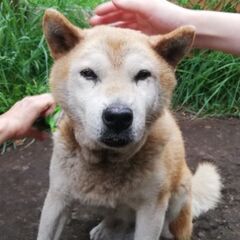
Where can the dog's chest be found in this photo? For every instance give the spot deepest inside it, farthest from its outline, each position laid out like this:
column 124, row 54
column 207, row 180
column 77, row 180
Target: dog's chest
column 106, row 183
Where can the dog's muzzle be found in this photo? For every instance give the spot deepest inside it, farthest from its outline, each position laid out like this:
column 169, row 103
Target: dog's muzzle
column 117, row 120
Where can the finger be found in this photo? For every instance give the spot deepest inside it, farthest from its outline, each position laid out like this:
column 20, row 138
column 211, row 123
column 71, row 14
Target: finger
column 38, row 102
column 95, row 20
column 105, row 8
column 134, row 26
column 112, row 17
column 49, row 111
column 45, row 100
column 129, row 25
column 137, row 6
column 41, row 105
column 35, row 133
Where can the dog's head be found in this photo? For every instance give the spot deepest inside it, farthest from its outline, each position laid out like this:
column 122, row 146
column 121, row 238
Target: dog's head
column 112, row 83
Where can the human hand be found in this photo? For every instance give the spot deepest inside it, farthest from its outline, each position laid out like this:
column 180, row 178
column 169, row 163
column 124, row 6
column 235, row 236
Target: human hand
column 214, row 30
column 17, row 122
column 150, row 17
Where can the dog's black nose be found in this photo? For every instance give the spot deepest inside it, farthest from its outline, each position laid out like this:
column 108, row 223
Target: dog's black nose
column 117, row 117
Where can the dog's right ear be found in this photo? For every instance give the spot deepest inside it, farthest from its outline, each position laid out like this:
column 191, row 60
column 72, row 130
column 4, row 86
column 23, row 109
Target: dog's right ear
column 174, row 45
column 61, row 35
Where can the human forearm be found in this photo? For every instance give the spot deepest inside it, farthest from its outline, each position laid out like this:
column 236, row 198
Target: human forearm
column 216, row 30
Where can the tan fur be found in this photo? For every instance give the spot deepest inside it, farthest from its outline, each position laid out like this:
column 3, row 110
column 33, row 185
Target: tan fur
column 72, row 33
column 181, row 227
column 67, row 133
column 151, row 172
column 115, row 50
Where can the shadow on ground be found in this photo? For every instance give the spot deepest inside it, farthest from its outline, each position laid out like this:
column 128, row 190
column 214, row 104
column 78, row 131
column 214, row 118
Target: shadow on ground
column 24, row 182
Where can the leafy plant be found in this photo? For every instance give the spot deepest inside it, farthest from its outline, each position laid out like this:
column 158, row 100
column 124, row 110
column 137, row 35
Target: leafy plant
column 209, row 84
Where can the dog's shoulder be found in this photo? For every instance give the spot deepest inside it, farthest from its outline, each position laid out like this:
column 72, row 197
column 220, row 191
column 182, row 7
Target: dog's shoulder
column 164, row 130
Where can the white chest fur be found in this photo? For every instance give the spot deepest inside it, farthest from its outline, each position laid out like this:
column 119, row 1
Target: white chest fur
column 101, row 184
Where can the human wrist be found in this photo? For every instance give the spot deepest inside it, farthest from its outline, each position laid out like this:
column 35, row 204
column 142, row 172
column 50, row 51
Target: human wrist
column 205, row 34
column 5, row 132
column 194, row 18
column 183, row 16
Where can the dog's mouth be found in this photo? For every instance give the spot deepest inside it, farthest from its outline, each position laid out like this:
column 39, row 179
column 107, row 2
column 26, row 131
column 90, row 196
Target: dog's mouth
column 116, row 140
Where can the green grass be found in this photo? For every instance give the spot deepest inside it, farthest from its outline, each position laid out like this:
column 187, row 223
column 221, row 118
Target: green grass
column 24, row 57
column 208, row 82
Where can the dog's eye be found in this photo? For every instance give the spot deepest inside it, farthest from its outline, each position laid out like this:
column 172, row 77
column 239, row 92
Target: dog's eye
column 89, row 74
column 142, row 75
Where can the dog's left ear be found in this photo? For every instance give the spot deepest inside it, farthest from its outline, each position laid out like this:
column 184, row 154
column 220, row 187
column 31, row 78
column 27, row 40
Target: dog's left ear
column 174, row 45
column 61, row 34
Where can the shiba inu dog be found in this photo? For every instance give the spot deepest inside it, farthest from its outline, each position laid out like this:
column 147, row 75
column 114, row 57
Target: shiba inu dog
column 118, row 148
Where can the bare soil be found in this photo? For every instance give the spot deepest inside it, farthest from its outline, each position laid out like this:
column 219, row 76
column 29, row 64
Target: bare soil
column 24, row 182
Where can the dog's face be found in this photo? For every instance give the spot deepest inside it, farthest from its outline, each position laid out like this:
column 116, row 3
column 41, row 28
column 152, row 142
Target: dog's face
column 113, row 83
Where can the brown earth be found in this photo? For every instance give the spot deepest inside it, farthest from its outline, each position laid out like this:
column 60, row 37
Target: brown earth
column 24, row 182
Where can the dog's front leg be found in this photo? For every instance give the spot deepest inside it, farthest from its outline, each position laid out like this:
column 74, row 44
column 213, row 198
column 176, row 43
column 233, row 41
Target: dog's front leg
column 150, row 219
column 54, row 215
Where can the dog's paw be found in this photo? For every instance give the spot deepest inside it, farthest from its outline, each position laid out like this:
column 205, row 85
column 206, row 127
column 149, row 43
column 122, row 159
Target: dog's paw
column 166, row 233
column 119, row 231
column 99, row 232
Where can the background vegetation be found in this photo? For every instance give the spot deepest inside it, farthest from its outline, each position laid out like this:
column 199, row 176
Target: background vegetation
column 208, row 81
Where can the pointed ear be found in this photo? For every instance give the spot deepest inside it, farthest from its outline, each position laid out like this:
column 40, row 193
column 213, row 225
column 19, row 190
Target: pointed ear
column 61, row 35
column 174, row 45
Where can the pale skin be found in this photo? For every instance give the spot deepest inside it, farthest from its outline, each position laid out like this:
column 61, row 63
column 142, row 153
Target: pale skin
column 214, row 30
column 18, row 120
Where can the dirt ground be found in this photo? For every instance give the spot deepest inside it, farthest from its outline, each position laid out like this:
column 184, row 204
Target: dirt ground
column 24, row 182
